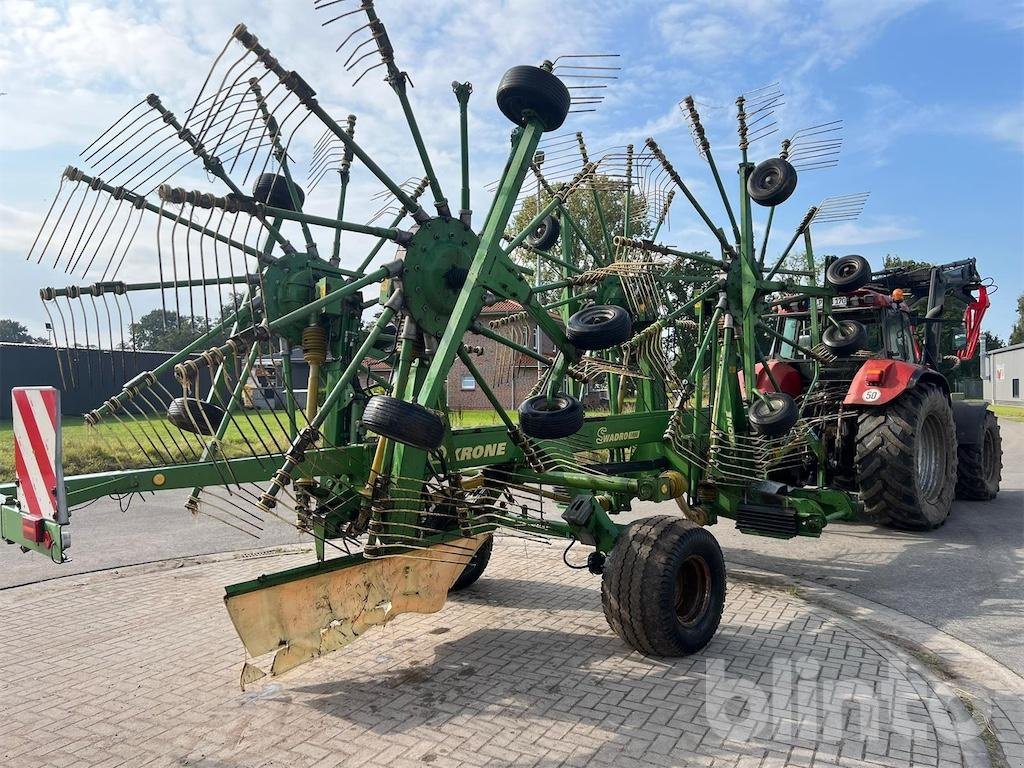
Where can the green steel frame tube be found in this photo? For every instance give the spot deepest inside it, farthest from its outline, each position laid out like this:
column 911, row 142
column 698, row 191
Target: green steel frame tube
column 485, row 388
column 462, row 92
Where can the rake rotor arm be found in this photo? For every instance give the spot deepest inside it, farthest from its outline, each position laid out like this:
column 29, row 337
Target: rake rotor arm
column 674, row 175
column 705, row 146
column 294, row 83
column 647, row 245
column 74, row 174
column 801, row 228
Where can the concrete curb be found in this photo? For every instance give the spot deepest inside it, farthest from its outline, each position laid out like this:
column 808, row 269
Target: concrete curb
column 989, row 693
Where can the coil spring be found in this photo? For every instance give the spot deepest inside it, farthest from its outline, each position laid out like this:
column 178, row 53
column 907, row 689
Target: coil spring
column 314, row 345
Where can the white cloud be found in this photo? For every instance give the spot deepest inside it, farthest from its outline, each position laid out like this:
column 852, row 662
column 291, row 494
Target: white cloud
column 882, row 229
column 783, row 34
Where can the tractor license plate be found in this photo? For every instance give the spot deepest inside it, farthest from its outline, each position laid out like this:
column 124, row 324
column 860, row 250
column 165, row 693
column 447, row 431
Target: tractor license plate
column 839, row 301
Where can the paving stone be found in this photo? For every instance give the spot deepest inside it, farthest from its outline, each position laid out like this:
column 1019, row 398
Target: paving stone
column 142, row 670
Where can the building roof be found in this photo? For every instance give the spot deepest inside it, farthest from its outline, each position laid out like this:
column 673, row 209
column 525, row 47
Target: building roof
column 503, row 307
column 1010, row 348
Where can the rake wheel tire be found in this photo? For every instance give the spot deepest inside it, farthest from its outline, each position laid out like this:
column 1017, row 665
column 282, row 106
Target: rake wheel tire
column 562, row 417
column 848, row 337
column 600, row 326
column 906, row 457
column 980, row 466
column 848, row 273
column 526, row 92
column 772, row 182
column 194, row 415
column 476, row 566
column 272, row 189
column 404, row 422
column 663, row 587
column 546, row 234
column 774, row 421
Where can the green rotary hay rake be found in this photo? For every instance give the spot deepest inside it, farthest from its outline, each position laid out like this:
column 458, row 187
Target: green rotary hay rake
column 362, row 455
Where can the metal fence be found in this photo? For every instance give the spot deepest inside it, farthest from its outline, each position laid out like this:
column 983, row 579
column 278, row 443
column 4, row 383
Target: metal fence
column 90, row 376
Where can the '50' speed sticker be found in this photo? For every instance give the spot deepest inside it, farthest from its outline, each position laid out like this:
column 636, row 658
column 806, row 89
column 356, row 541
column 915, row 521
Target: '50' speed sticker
column 870, row 395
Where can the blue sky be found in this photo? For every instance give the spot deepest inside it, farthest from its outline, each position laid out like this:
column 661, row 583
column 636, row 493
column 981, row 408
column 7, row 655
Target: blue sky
column 932, row 95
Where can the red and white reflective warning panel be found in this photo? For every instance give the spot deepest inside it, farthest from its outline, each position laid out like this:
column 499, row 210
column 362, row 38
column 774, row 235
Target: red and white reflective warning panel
column 37, row 453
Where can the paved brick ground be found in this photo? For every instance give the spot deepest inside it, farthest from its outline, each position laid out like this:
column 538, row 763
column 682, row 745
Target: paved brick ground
column 141, row 670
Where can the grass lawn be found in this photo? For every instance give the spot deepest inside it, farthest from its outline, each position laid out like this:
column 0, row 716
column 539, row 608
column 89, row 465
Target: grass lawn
column 106, row 448
column 1011, row 412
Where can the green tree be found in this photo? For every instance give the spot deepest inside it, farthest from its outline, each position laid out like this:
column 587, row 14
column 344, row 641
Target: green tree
column 163, row 330
column 12, row 330
column 586, row 210
column 1017, row 332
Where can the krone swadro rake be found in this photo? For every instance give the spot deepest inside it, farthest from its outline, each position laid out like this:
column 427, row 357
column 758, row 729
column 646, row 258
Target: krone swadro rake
column 361, row 454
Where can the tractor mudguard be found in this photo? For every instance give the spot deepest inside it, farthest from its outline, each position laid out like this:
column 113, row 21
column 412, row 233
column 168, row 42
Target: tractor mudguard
column 881, row 381
column 970, row 421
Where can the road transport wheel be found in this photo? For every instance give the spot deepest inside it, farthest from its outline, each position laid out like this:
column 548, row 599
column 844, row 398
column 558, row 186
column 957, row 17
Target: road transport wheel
column 403, row 422
column 906, row 459
column 980, row 466
column 663, row 587
column 476, row 566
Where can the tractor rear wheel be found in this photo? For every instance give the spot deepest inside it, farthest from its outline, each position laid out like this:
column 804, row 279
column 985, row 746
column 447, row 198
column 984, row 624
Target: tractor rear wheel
column 981, row 465
column 906, row 460
column 663, row 588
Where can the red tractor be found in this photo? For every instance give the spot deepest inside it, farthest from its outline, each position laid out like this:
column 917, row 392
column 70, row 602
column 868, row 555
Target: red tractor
column 870, row 372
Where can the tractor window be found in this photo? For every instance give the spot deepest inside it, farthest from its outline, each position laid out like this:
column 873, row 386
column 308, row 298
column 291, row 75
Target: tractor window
column 898, row 336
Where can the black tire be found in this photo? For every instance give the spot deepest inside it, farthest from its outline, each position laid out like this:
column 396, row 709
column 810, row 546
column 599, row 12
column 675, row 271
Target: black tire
column 980, row 466
column 272, row 189
column 599, row 326
column 663, row 587
column 476, row 566
column 772, row 182
column 527, row 91
column 546, row 234
column 848, row 337
column 848, row 273
column 774, row 418
column 562, row 417
column 404, row 422
column 906, row 460
column 194, row 415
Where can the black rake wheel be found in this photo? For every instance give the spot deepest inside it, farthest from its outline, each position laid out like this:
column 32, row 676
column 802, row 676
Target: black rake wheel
column 773, row 415
column 272, row 189
column 194, row 415
column 848, row 273
column 846, row 337
column 527, row 91
column 663, row 586
column 546, row 234
column 551, row 419
column 404, row 422
column 600, row 326
column 772, row 182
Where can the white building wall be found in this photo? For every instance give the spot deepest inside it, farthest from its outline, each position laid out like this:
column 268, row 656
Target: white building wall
column 1003, row 375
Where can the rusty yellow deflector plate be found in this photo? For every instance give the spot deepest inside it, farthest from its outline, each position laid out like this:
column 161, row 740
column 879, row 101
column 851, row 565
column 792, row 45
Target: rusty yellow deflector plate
column 307, row 617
